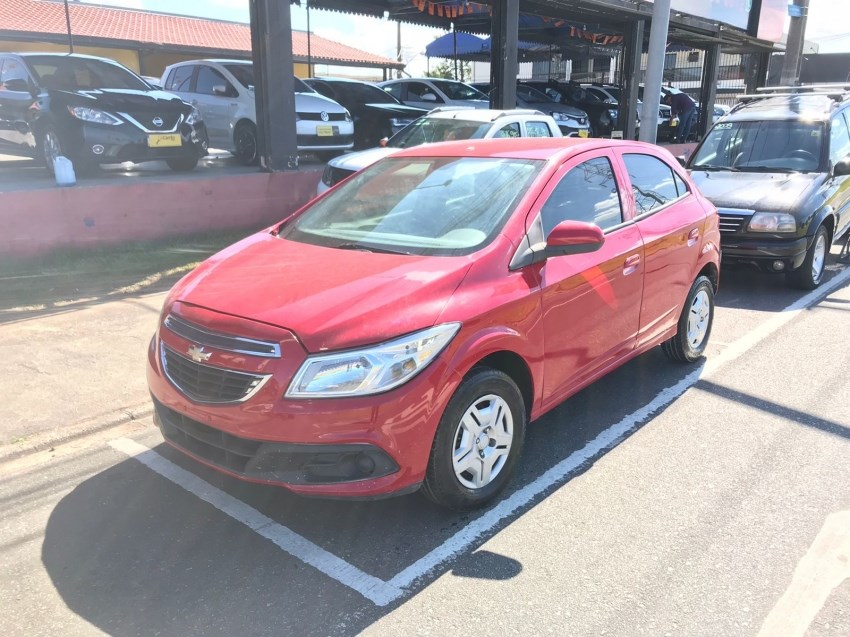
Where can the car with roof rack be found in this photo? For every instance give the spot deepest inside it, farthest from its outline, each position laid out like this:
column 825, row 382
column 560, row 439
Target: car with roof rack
column 777, row 169
column 444, row 124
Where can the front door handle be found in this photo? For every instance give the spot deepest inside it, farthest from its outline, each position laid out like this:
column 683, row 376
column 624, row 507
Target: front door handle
column 631, row 264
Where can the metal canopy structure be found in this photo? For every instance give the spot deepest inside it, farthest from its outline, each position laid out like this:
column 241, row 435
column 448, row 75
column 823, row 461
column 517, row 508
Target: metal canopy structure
column 553, row 22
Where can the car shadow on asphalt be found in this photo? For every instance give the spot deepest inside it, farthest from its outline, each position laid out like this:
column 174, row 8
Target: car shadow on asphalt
column 132, row 553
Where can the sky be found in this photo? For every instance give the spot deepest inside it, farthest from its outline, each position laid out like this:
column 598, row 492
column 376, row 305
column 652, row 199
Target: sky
column 827, row 23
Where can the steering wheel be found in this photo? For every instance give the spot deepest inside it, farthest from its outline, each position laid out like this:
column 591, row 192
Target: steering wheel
column 802, row 154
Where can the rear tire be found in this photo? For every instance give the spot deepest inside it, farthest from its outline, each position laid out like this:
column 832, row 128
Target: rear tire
column 478, row 441
column 810, row 274
column 182, row 164
column 245, row 144
column 694, row 327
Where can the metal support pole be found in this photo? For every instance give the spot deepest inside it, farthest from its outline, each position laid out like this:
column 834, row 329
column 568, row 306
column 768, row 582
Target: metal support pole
column 504, row 29
column 654, row 70
column 454, row 45
column 632, row 51
column 68, row 26
column 708, row 90
column 794, row 48
column 309, row 49
column 274, row 87
column 398, row 48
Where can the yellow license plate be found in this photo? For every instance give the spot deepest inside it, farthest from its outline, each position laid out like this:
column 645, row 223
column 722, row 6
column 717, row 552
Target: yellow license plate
column 164, row 140
column 583, row 133
column 325, row 131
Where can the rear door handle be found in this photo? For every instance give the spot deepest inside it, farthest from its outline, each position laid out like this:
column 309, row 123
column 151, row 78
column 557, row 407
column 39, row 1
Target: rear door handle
column 631, row 264
column 693, row 235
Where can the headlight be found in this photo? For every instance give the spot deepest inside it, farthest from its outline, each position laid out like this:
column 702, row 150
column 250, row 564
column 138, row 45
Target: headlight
column 370, row 370
column 347, row 116
column 93, row 115
column 612, row 114
column 559, row 116
column 195, row 116
column 772, row 222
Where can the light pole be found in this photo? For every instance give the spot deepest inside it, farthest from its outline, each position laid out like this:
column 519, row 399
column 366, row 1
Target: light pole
column 68, row 25
column 794, row 47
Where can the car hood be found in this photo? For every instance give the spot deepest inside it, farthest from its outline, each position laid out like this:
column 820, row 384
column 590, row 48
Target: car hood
column 120, row 100
column 330, row 299
column 552, row 107
column 315, row 103
column 359, row 160
column 401, row 110
column 773, row 192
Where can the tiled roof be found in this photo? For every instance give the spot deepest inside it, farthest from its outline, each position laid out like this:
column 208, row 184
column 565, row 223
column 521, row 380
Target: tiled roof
column 94, row 22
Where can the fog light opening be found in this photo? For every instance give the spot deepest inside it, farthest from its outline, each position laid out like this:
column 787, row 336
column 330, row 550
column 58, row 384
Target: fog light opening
column 97, row 149
column 778, row 266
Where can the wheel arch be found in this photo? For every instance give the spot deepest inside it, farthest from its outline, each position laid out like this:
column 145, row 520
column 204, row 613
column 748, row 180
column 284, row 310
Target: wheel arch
column 712, row 273
column 513, row 365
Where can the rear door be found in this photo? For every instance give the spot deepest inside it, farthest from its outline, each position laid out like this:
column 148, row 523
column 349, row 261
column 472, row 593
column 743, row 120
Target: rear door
column 591, row 302
column 217, row 99
column 671, row 222
column 839, row 187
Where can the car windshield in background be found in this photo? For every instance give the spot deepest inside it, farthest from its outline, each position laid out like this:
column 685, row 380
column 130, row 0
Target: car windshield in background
column 81, row 74
column 418, row 205
column 459, row 91
column 365, row 93
column 532, row 94
column 428, row 131
column 244, row 74
column 761, row 146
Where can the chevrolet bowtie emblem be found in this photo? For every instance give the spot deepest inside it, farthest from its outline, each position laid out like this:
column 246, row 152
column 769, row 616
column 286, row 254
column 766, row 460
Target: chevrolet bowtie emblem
column 198, row 354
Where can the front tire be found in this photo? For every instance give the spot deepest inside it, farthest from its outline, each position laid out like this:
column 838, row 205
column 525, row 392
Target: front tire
column 245, row 145
column 694, row 327
column 478, row 441
column 810, row 274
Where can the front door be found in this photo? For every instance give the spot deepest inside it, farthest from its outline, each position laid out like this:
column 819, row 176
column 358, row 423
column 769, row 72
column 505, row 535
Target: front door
column 17, row 112
column 591, row 302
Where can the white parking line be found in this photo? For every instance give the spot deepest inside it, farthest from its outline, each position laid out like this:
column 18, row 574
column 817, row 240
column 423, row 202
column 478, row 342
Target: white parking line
column 381, row 592
column 372, row 588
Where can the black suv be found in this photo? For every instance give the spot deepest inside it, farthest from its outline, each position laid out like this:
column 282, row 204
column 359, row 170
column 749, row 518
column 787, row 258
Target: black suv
column 376, row 113
column 776, row 168
column 92, row 111
column 603, row 115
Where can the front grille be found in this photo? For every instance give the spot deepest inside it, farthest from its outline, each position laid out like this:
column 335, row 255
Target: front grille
column 731, row 223
column 317, row 117
column 321, row 140
column 169, row 120
column 238, row 344
column 333, row 175
column 208, row 384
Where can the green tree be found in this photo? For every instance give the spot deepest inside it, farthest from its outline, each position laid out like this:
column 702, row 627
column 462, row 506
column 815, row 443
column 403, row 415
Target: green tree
column 446, row 70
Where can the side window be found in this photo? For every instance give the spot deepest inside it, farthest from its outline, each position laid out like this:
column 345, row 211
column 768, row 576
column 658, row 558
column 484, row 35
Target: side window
column 394, row 90
column 509, row 130
column 209, row 78
column 681, row 186
column 11, row 70
column 417, row 91
column 652, row 182
column 839, row 140
column 180, row 79
column 537, row 129
column 587, row 193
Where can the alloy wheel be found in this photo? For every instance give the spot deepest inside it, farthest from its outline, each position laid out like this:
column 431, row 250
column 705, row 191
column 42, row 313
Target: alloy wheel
column 819, row 257
column 698, row 319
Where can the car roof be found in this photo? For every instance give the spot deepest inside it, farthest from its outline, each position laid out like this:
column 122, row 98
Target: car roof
column 540, row 148
column 340, row 80
column 213, row 60
column 54, row 54
column 793, row 107
column 480, row 114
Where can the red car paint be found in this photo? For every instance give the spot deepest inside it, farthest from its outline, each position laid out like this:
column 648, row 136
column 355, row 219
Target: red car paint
column 568, row 320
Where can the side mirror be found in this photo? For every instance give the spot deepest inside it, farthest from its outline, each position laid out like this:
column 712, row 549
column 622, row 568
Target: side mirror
column 841, row 168
column 383, row 142
column 574, row 237
column 220, row 90
column 428, row 97
column 18, row 85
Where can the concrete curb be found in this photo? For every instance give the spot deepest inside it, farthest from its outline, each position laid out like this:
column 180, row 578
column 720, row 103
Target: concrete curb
column 45, row 440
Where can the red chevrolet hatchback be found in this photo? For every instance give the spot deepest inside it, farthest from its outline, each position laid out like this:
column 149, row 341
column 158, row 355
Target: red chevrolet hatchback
column 401, row 330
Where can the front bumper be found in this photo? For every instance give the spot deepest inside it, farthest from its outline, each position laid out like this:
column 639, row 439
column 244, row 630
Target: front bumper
column 370, row 446
column 764, row 252
column 573, row 129
column 102, row 144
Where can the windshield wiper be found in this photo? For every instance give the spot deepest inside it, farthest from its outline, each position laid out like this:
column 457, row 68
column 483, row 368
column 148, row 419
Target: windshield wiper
column 769, row 169
column 353, row 245
column 709, row 167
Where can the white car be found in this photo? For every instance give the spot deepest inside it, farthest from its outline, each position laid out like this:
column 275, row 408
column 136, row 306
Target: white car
column 429, row 92
column 223, row 90
column 440, row 125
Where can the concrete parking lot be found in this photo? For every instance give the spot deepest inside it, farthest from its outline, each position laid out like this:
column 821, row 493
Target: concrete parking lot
column 663, row 500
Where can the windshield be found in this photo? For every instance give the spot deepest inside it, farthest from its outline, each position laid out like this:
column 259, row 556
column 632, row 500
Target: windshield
column 244, row 74
column 362, row 93
column 459, row 90
column 82, row 74
column 762, row 146
column 532, row 94
column 428, row 130
column 418, row 205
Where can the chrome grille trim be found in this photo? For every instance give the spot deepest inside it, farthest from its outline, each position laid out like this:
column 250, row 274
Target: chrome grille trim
column 732, row 220
column 141, row 126
column 258, row 380
column 226, row 342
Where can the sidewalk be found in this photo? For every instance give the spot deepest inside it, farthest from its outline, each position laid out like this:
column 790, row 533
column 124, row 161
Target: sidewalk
column 74, row 370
